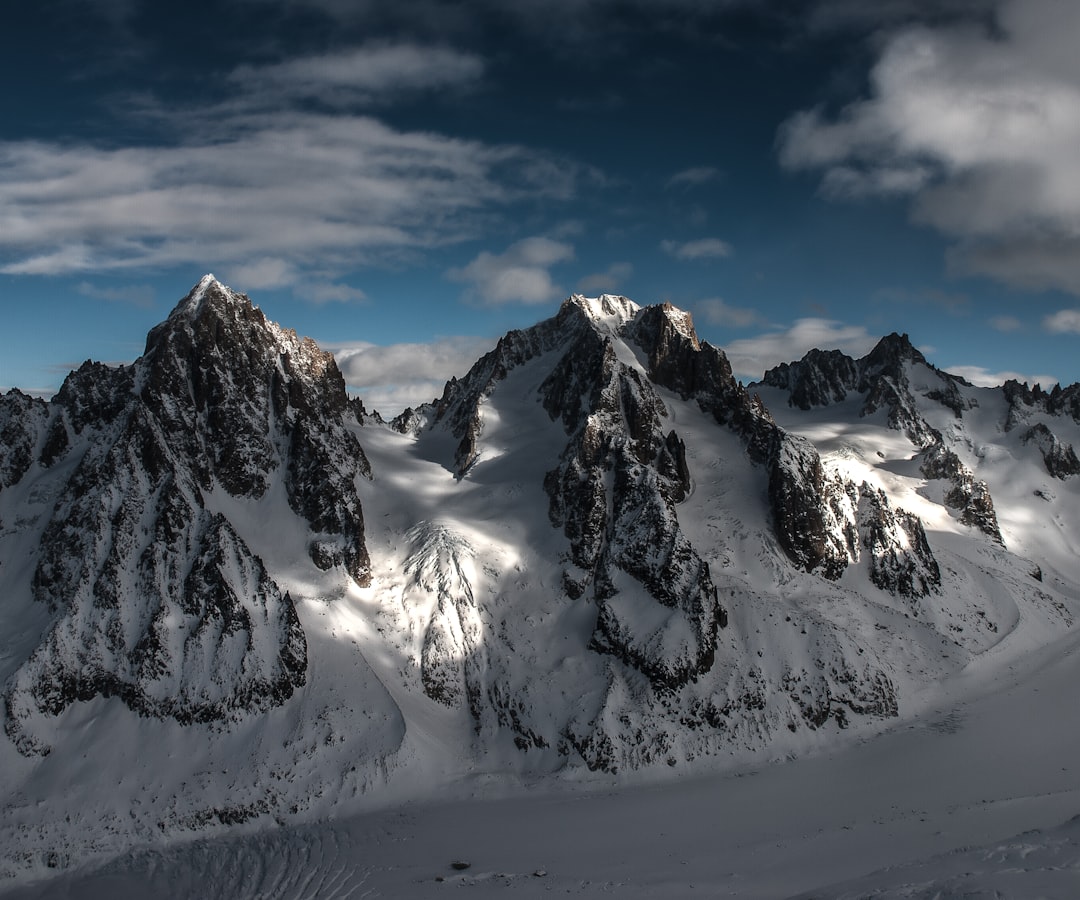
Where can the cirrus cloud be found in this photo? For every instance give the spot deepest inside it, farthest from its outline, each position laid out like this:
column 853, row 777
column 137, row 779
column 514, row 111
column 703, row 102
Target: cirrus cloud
column 373, row 73
column 704, row 248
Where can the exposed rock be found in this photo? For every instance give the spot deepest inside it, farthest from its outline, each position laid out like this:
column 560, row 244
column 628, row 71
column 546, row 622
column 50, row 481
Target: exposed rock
column 820, row 378
column 22, row 421
column 810, row 523
column 1059, row 458
column 158, row 601
column 901, row 561
column 967, row 495
column 1023, row 401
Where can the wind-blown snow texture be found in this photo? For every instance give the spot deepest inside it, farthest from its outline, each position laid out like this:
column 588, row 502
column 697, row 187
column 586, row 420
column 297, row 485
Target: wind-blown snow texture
column 596, row 555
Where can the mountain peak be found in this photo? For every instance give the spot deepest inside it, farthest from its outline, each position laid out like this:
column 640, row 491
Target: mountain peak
column 207, row 288
column 890, row 351
column 611, row 310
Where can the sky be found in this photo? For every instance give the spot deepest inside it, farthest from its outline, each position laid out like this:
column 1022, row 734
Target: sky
column 405, row 182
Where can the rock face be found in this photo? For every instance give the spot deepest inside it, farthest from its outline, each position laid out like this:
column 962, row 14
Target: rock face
column 883, row 378
column 601, row 370
column 613, row 492
column 901, row 561
column 810, row 518
column 968, row 496
column 156, row 599
column 1059, row 458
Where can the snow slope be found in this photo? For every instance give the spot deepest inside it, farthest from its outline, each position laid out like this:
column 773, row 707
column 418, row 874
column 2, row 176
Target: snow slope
column 603, row 614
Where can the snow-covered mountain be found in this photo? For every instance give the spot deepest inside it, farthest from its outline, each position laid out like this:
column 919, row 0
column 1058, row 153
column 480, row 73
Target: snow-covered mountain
column 231, row 598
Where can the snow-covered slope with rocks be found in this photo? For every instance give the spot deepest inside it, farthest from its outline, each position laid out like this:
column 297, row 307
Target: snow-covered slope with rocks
column 231, row 599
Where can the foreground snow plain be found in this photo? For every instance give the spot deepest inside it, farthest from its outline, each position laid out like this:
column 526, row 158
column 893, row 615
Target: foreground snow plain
column 977, row 797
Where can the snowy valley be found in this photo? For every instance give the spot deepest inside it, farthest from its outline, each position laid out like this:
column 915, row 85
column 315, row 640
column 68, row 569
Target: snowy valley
column 599, row 618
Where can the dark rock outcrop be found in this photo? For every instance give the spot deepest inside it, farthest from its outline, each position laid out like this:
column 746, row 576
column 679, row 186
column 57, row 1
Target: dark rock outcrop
column 158, row 601
column 1058, row 457
column 966, row 494
column 901, row 561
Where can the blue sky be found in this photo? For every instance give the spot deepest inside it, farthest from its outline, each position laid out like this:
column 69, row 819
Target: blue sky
column 406, row 181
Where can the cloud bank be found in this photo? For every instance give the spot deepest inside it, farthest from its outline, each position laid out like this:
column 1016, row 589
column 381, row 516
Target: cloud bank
column 979, row 126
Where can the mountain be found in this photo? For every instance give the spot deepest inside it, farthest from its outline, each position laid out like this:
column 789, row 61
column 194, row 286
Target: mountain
column 229, row 595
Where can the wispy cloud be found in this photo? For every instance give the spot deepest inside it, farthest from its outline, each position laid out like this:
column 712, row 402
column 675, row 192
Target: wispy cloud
column 977, row 375
column 979, row 127
column 751, row 357
column 606, row 282
column 392, row 377
column 694, row 177
column 705, row 248
column 371, row 74
column 521, row 274
column 141, row 295
column 273, row 196
column 1066, row 321
column 278, row 179
column 719, row 312
column 1005, row 324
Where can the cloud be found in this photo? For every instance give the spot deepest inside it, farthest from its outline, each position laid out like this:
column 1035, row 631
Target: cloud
column 986, row 378
column 978, row 126
column 705, row 248
column 1006, row 324
column 751, row 357
column 390, row 378
column 1067, row 321
column 141, row 295
column 718, row 312
column 373, row 73
column 261, row 274
column 694, row 177
column 519, row 275
column 605, row 282
column 319, row 292
column 272, row 196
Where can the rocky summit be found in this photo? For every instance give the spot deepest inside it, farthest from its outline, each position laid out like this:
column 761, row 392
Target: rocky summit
column 233, row 596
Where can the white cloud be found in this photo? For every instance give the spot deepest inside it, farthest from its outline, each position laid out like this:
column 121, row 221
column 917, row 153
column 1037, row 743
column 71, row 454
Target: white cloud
column 705, row 248
column 606, row 282
column 977, row 375
column 519, row 275
column 272, row 196
column 390, row 378
column 751, row 357
column 980, row 129
column 718, row 312
column 1067, row 321
column 368, row 74
column 694, row 177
